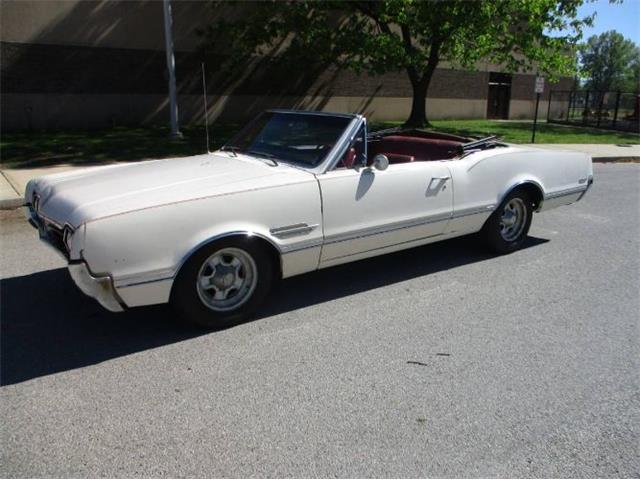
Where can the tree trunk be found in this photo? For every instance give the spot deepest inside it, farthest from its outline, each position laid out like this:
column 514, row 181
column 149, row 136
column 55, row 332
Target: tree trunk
column 420, row 85
column 418, row 116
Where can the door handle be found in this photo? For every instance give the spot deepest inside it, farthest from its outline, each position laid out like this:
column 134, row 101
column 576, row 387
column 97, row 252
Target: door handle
column 436, row 184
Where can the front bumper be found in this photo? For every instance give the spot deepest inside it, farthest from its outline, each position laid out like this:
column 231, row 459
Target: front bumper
column 99, row 287
column 50, row 232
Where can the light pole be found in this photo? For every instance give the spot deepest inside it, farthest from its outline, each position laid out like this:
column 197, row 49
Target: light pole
column 171, row 67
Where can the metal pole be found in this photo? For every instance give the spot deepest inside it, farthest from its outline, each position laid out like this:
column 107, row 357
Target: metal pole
column 206, row 108
column 535, row 120
column 171, row 67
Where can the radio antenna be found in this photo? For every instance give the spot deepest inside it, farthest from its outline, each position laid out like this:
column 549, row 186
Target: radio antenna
column 206, row 110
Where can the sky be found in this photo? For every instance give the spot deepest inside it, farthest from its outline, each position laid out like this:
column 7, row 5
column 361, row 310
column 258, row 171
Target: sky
column 624, row 18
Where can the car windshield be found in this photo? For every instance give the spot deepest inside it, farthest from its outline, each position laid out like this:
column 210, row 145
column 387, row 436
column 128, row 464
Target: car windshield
column 298, row 138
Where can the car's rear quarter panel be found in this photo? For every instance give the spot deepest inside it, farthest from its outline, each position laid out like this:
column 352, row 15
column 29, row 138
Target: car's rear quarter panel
column 482, row 180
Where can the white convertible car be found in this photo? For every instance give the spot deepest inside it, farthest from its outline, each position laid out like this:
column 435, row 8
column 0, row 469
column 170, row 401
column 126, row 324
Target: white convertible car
column 291, row 193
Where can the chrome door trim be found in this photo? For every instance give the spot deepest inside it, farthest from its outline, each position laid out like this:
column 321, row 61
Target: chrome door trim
column 287, row 231
column 387, row 228
column 381, row 248
column 465, row 212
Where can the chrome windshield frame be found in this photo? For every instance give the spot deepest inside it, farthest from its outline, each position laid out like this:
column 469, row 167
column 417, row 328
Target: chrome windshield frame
column 339, row 147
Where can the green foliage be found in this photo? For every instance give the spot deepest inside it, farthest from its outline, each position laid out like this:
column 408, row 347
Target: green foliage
column 610, row 62
column 410, row 35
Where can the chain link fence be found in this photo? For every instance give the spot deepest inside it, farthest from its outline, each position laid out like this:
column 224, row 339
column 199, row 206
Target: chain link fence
column 611, row 110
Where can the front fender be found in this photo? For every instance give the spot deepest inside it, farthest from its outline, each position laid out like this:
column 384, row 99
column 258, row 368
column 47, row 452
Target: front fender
column 150, row 245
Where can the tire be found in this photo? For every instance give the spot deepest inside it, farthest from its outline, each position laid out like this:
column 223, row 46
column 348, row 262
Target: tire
column 223, row 283
column 502, row 236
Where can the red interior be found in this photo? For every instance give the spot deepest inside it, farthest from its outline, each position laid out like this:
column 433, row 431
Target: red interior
column 403, row 149
column 349, row 158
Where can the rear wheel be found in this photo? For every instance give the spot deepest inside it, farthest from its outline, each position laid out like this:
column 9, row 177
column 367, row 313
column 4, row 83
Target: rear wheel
column 506, row 229
column 223, row 283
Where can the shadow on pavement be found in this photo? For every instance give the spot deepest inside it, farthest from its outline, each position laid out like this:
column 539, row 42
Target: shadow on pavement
column 47, row 326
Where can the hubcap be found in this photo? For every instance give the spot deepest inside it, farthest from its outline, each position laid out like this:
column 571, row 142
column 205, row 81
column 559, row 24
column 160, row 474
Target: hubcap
column 227, row 279
column 513, row 219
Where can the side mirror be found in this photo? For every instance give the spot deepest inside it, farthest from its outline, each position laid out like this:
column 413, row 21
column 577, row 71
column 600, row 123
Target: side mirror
column 380, row 162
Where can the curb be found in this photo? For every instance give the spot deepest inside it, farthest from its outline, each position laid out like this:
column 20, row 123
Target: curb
column 631, row 159
column 11, row 203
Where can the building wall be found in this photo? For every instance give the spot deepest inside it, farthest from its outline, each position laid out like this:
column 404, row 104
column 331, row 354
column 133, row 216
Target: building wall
column 99, row 63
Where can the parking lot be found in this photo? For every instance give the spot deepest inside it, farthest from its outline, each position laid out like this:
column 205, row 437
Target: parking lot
column 441, row 361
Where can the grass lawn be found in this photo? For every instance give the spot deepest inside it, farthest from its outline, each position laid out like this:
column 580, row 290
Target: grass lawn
column 520, row 132
column 31, row 150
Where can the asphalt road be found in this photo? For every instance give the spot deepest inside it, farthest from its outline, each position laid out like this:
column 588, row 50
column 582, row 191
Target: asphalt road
column 438, row 361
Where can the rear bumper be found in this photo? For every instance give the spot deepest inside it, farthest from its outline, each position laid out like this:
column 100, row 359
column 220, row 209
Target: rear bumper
column 566, row 197
column 589, row 183
column 99, row 287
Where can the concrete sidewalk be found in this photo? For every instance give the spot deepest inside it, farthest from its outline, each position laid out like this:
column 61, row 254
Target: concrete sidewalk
column 9, row 196
column 13, row 181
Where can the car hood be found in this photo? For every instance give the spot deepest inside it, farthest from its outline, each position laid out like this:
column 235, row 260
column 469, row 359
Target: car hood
column 89, row 194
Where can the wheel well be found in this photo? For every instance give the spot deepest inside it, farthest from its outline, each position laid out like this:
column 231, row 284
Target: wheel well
column 271, row 249
column 268, row 247
column 533, row 191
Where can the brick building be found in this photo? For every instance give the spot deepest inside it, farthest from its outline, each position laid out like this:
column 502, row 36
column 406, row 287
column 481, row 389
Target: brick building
column 99, row 63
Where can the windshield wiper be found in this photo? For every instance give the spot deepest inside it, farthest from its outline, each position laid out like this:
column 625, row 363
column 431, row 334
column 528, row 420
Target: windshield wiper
column 265, row 155
column 231, row 148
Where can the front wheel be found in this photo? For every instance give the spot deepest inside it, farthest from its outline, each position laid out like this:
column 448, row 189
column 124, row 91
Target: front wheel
column 506, row 229
column 223, row 283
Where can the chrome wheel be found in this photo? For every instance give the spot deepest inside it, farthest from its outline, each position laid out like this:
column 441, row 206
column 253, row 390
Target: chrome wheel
column 227, row 279
column 513, row 219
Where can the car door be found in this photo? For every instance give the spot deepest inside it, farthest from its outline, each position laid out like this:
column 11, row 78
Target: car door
column 366, row 210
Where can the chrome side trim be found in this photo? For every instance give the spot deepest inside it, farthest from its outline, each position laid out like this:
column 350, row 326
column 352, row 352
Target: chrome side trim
column 383, row 248
column 389, row 227
column 417, row 222
column 293, row 230
column 145, row 277
column 144, row 282
column 474, row 211
column 304, row 245
column 566, row 192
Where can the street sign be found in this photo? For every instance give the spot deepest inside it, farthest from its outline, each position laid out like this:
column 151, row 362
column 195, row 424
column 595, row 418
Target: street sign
column 539, row 85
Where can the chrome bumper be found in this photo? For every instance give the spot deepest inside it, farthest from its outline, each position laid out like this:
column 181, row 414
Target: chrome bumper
column 49, row 232
column 589, row 183
column 98, row 287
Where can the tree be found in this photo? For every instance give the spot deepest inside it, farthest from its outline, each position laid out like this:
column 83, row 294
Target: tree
column 610, row 62
column 411, row 35
column 631, row 81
